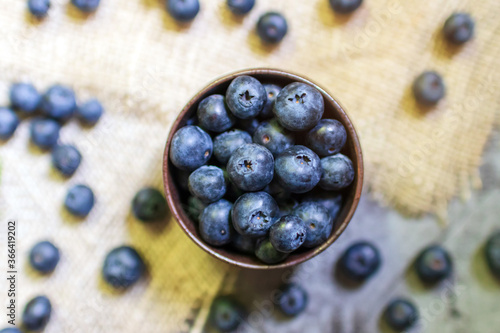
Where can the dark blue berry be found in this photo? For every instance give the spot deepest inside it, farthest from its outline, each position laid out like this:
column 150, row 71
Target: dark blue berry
column 215, row 223
column 66, row 159
column 194, row 208
column 213, row 114
column 327, row 138
column 292, row 299
column 79, row 200
column 226, row 143
column 90, row 112
column 226, row 314
column 10, row 330
column 288, row 233
column 338, row 172
column 244, row 244
column 248, row 125
column 254, row 213
column 428, row 88
column 274, row 137
column 36, row 314
column 277, row 191
column 251, row 167
column 459, row 28
column 330, row 200
column 240, row 7
column 191, row 147
column 287, row 206
column 360, row 261
column 298, row 169
column 267, row 253
column 24, row 97
column 44, row 257
column 345, row 6
column 39, row 8
column 86, row 5
column 317, row 221
column 44, row 132
column 149, row 205
column 433, row 264
column 272, row 91
column 183, row 10
column 8, row 123
column 492, row 253
column 59, row 102
column 123, row 267
column 401, row 314
column 207, row 183
column 299, row 106
column 245, row 97
column 272, row 27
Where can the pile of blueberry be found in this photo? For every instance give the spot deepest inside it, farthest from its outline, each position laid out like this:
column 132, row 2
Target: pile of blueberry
column 40, row 8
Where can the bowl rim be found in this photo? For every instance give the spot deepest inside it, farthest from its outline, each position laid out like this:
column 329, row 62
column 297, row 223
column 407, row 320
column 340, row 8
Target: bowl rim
column 175, row 206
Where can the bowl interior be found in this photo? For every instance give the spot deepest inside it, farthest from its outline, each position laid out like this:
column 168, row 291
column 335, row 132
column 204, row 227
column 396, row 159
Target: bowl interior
column 176, row 196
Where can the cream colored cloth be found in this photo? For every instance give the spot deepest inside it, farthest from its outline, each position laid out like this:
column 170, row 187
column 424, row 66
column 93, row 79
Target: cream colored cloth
column 144, row 68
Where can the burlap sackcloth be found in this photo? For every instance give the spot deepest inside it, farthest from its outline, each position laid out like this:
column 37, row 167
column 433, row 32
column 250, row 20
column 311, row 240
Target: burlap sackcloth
column 144, row 68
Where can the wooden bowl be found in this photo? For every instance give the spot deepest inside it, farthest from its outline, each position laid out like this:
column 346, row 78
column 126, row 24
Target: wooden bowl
column 352, row 149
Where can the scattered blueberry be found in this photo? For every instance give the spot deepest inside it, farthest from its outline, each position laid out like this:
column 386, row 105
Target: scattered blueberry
column 86, row 6
column 123, row 267
column 8, row 123
column 226, row 143
column 254, row 213
column 244, row 244
column 272, row 91
column 428, row 88
column 207, row 183
column 433, row 264
column 298, row 169
column 272, row 27
column 183, row 10
column 288, row 233
column 36, row 314
column 299, row 106
column 274, row 137
column 338, row 172
column 90, row 112
column 267, row 253
column 240, row 7
column 330, row 200
column 251, row 167
column 226, row 314
column 492, row 252
column 215, row 223
column 327, row 138
column 401, row 314
column 39, row 8
column 248, row 125
column 317, row 221
column 66, row 159
column 459, row 28
column 345, row 6
column 24, row 97
column 149, row 205
column 44, row 257
column 213, row 114
column 292, row 299
column 194, row 208
column 79, row 200
column 10, row 330
column 44, row 132
column 360, row 261
column 245, row 97
column 191, row 147
column 59, row 102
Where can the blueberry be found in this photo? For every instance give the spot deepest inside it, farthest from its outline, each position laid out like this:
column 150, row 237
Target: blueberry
column 226, row 143
column 191, row 147
column 298, row 169
column 240, row 7
column 215, row 223
column 272, row 91
column 10, row 330
column 251, row 167
column 401, row 314
column 433, row 264
column 66, row 159
column 459, row 28
column 330, row 200
column 44, row 257
column 79, row 200
column 428, row 88
column 123, row 267
column 86, row 5
column 292, row 299
column 267, row 253
column 207, row 183
column 194, row 208
column 39, row 8
column 90, row 112
column 8, row 123
column 244, row 244
column 245, row 97
column 59, row 102
column 338, row 172
column 277, row 191
column 299, row 106
column 254, row 213
column 226, row 314
column 327, row 138
column 44, row 132
column 248, row 125
column 149, row 205
column 274, row 137
column 345, row 6
column 213, row 114
column 24, row 97
column 36, row 314
column 272, row 27
column 317, row 221
column 183, row 10
column 287, row 206
column 360, row 261
column 288, row 234
column 492, row 252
